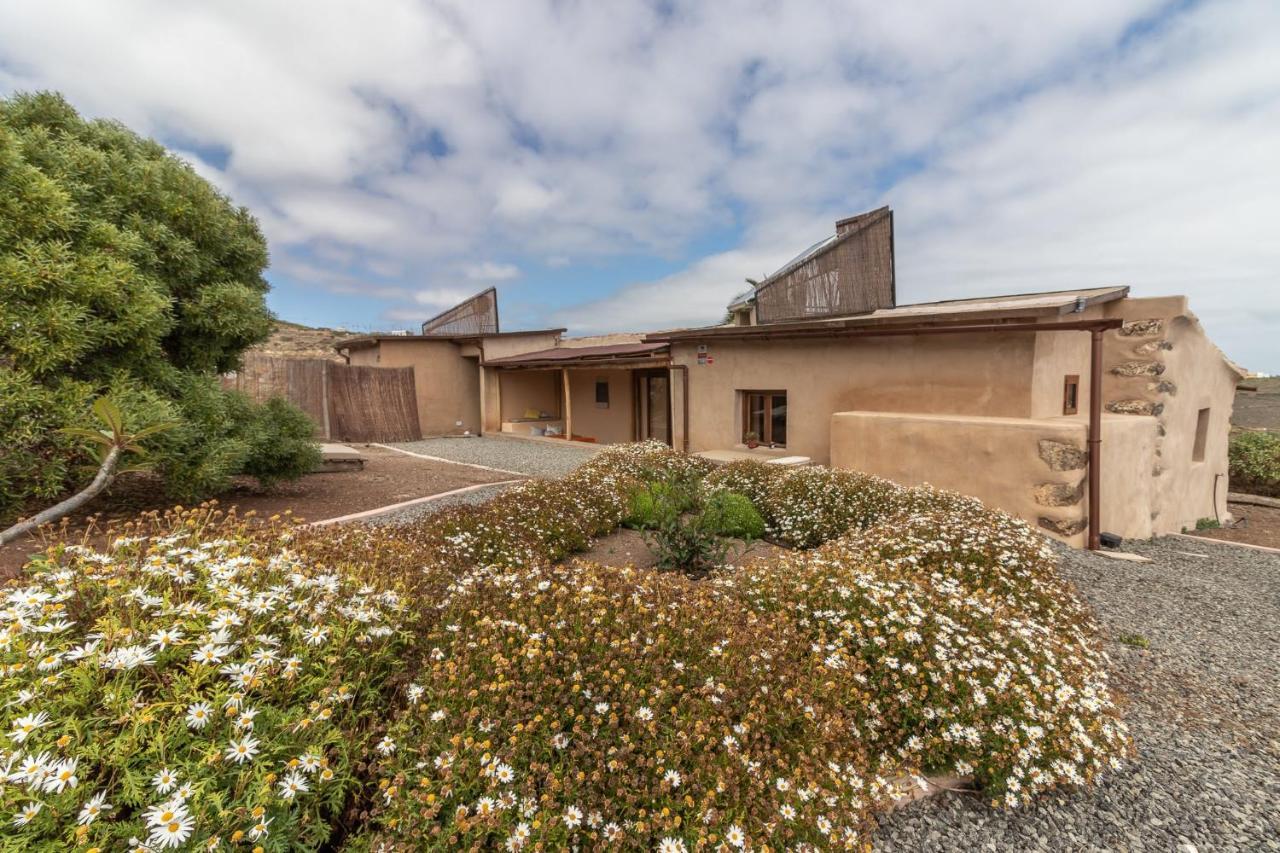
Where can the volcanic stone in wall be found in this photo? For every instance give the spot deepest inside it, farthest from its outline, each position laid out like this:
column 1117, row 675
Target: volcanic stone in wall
column 1138, row 368
column 1164, row 386
column 1064, row 526
column 1059, row 494
column 1151, row 347
column 1141, row 328
column 1061, row 456
column 1135, row 407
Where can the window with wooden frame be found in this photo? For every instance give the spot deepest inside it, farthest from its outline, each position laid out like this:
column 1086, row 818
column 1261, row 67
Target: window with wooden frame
column 1071, row 394
column 765, row 414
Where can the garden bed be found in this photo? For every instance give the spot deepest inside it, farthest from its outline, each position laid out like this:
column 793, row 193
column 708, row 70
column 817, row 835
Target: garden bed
column 461, row 682
column 1261, row 526
column 386, row 478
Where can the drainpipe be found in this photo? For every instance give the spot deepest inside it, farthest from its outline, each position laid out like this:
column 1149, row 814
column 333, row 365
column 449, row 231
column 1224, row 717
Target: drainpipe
column 1095, row 439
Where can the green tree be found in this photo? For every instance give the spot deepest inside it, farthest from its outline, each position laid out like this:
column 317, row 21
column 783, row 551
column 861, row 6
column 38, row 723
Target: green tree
column 122, row 272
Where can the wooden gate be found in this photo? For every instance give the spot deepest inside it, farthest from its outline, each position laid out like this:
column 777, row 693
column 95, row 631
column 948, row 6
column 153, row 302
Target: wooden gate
column 345, row 403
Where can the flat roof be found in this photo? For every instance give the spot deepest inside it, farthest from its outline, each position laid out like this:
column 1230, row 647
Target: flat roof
column 1047, row 303
column 570, row 355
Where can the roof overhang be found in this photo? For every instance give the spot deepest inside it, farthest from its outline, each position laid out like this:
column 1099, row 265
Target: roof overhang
column 1021, row 309
column 608, row 355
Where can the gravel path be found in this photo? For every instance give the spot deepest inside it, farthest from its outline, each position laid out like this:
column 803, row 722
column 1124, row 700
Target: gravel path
column 535, row 458
column 1204, row 712
column 422, row 510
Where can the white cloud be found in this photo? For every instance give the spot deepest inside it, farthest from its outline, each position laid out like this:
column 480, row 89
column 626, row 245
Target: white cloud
column 440, row 298
column 1070, row 144
column 490, row 271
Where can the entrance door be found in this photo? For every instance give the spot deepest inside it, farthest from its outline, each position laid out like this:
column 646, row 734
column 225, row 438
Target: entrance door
column 653, row 393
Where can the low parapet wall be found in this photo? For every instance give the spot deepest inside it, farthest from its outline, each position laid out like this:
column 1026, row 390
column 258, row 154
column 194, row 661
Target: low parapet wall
column 1034, row 468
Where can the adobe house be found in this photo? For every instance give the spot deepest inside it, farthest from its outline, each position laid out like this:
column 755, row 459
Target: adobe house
column 994, row 397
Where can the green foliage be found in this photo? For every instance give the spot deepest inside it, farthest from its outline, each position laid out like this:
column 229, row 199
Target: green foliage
column 732, row 514
column 1136, row 640
column 1207, row 524
column 124, row 273
column 161, row 656
column 687, row 543
column 1255, row 462
column 654, row 504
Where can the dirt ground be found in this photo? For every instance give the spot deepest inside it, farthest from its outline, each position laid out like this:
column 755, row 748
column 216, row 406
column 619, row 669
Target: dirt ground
column 387, row 478
column 626, row 547
column 1261, row 526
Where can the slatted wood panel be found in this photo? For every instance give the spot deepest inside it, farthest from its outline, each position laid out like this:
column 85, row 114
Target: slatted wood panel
column 851, row 274
column 301, row 381
column 372, row 404
column 345, row 403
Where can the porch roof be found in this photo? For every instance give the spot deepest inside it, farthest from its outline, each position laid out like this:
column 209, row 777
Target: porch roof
column 571, row 356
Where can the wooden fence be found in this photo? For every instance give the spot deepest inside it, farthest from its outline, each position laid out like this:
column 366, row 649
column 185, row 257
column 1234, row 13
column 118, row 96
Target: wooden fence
column 346, row 403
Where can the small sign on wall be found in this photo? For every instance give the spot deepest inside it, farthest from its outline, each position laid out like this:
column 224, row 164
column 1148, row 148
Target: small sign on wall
column 704, row 357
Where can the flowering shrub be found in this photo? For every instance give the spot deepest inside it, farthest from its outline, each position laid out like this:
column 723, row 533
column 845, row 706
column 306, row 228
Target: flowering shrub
column 589, row 706
column 744, row 477
column 216, row 685
column 974, row 655
column 184, row 690
column 811, row 505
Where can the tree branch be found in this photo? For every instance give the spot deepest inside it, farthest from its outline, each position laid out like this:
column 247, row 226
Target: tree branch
column 106, row 473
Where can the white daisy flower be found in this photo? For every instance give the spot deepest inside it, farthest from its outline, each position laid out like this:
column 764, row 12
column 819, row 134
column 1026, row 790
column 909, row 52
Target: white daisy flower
column 572, row 817
column 735, row 836
column 292, row 784
column 27, row 814
column 164, row 781
column 198, row 715
column 242, row 750
column 24, row 726
column 93, row 808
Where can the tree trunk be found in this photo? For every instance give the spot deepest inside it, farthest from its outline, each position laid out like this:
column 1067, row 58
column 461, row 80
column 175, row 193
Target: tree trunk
column 106, row 473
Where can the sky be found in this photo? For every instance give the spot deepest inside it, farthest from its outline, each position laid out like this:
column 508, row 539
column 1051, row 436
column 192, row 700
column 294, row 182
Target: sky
column 626, row 165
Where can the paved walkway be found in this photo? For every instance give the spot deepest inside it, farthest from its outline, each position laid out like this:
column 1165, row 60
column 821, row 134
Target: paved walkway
column 534, row 458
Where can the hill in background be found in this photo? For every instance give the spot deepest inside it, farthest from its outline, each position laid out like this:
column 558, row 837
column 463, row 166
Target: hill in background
column 293, row 340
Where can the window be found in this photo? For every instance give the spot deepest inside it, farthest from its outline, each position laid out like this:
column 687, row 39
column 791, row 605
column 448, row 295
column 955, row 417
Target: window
column 765, row 414
column 602, row 393
column 1202, row 436
column 1071, row 395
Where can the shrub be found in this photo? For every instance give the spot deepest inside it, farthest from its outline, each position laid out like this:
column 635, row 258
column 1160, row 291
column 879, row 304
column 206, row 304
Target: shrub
column 645, row 462
column 732, row 514
column 586, row 706
column 124, row 274
column 687, row 544
column 808, row 506
column 745, row 477
column 985, row 664
column 655, row 504
column 281, row 444
column 197, row 686
column 1254, row 457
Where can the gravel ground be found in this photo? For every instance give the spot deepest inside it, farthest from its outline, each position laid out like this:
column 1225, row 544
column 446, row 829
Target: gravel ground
column 535, row 458
column 1204, row 712
column 422, row 510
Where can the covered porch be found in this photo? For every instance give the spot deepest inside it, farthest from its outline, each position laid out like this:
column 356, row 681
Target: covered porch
column 599, row 394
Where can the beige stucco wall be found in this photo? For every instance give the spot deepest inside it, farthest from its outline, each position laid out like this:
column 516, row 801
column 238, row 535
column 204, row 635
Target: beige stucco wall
column 1162, row 364
column 447, row 383
column 1002, row 462
column 529, row 389
column 986, row 375
column 607, row 426
column 517, row 343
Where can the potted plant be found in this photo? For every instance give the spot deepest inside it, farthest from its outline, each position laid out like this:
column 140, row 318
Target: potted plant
column 751, row 439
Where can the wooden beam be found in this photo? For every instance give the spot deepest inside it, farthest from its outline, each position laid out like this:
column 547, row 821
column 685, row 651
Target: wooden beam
column 568, row 404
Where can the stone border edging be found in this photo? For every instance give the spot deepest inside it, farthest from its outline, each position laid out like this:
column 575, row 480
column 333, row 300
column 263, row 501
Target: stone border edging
column 383, row 510
column 450, row 461
column 1213, row 541
column 1253, row 500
